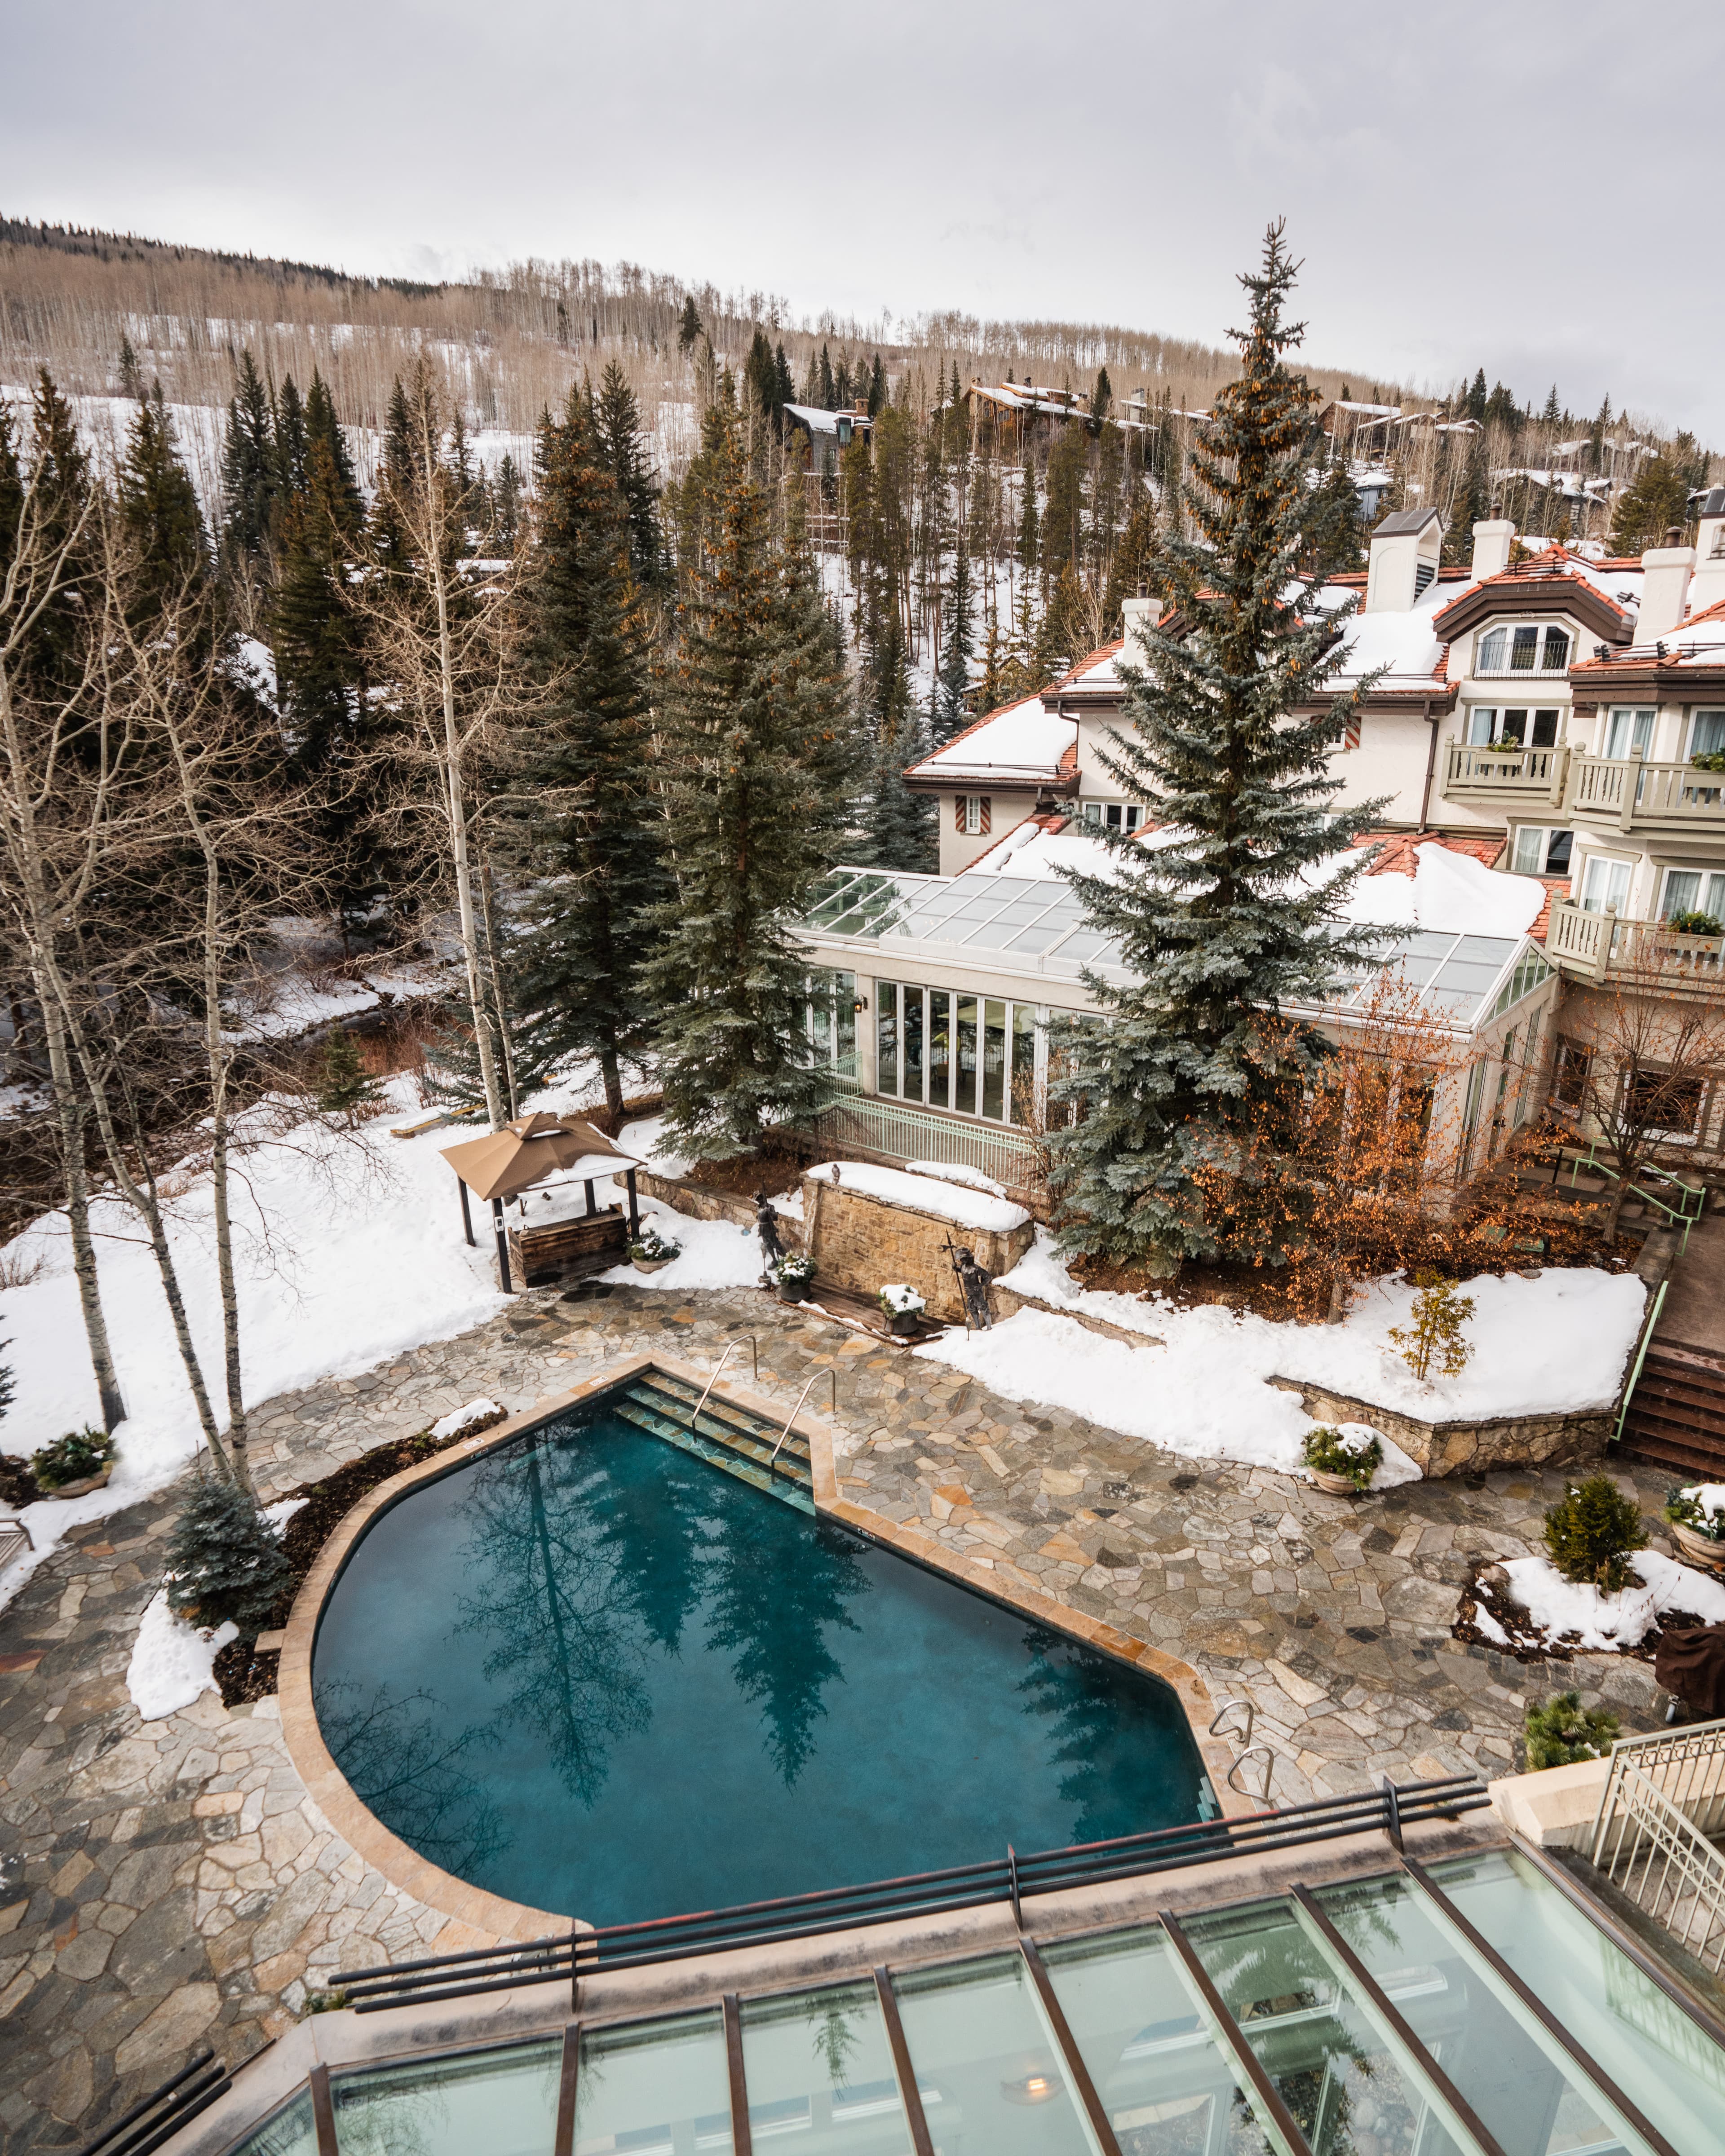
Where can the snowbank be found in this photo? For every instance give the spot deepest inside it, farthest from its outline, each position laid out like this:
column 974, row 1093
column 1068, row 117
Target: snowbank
column 923, row 1194
column 645, row 1140
column 1607, row 1623
column 171, row 1661
column 715, row 1253
column 1450, row 893
column 344, row 1257
column 475, row 1411
column 1553, row 1345
column 972, row 1178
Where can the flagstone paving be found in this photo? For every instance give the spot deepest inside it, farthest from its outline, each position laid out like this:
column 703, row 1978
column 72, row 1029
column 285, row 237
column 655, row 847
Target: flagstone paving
column 170, row 1884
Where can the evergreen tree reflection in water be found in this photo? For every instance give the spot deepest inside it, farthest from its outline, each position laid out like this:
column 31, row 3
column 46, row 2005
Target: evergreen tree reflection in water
column 405, row 1766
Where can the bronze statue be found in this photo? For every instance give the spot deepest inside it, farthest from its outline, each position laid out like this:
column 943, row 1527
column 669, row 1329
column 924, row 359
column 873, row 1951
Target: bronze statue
column 975, row 1282
column 766, row 1228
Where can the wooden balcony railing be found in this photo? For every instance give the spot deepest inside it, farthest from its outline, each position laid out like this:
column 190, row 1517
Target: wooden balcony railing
column 1533, row 776
column 1623, row 793
column 1645, row 954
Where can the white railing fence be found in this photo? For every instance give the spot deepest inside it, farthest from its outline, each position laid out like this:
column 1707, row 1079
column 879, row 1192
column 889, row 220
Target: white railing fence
column 1664, row 1798
column 892, row 1133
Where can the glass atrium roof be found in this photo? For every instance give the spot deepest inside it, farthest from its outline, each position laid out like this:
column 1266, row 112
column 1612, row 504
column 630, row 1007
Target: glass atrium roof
column 1038, row 924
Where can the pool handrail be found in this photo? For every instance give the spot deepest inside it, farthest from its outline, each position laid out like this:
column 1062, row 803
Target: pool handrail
column 828, row 1372
column 748, row 1341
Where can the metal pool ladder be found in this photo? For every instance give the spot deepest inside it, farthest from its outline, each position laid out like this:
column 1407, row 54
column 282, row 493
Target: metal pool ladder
column 754, row 1371
column 814, row 1380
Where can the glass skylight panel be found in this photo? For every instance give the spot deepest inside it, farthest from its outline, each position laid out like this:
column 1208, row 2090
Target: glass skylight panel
column 978, row 2044
column 652, row 2089
column 504, row 2101
column 819, row 2068
column 1035, row 939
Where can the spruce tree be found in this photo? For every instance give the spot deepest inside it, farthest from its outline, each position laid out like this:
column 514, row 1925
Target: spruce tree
column 827, row 399
column 1334, row 524
column 1235, row 916
column 1134, row 557
column 877, row 388
column 507, row 506
column 225, row 1564
column 250, row 474
column 131, row 379
column 1477, row 399
column 344, row 1086
column 1030, row 541
column 48, row 658
column 900, row 827
column 952, row 684
column 158, row 509
column 290, row 439
column 1646, row 511
column 688, row 328
column 597, row 845
column 756, row 716
column 323, row 426
column 622, row 451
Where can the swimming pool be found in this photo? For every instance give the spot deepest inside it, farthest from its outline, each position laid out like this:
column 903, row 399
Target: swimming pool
column 597, row 1675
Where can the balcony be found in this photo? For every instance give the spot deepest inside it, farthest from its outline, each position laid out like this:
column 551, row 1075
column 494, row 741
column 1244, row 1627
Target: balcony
column 1640, row 954
column 1630, row 794
column 1515, row 777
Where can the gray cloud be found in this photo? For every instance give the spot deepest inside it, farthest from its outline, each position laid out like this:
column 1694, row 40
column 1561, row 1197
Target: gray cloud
column 1470, row 184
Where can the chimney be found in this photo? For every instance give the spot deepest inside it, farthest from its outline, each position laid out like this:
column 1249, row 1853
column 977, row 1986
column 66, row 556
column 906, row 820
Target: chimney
column 1666, row 572
column 1406, row 548
column 1707, row 585
column 1137, row 616
column 1491, row 542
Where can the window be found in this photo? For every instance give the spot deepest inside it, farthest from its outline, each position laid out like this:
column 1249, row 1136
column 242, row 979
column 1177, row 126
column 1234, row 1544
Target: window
column 1628, row 727
column 1692, row 891
column 1569, row 1081
column 1605, row 885
column 1527, row 977
column 970, row 815
column 1525, row 650
column 1707, row 730
column 1664, row 1105
column 976, row 1054
column 1541, row 852
column 830, row 1020
column 1487, row 725
column 1114, row 815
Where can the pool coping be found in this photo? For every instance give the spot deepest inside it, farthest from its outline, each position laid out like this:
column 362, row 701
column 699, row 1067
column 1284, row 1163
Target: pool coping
column 490, row 1917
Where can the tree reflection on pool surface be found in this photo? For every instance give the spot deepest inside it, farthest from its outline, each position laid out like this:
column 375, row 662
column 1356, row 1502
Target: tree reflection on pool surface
column 598, row 1675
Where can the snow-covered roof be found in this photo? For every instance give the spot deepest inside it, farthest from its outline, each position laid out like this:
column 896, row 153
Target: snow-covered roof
column 826, row 423
column 1023, row 742
column 1405, row 642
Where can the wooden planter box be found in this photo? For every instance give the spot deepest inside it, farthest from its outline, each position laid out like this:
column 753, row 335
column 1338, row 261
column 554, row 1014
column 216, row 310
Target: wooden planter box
column 589, row 1244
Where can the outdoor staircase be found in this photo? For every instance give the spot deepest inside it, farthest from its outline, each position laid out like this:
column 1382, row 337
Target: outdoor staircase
column 725, row 1436
column 1677, row 1413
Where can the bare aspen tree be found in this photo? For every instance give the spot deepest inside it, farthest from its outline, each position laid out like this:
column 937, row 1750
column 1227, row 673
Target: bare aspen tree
column 64, row 772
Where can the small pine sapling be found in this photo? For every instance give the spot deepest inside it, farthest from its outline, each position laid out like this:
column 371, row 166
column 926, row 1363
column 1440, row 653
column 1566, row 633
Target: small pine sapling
column 1435, row 1337
column 1592, row 1530
column 1560, row 1733
column 345, row 1087
column 225, row 1563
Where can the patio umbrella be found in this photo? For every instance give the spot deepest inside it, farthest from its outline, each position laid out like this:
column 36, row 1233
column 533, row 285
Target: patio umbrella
column 527, row 1152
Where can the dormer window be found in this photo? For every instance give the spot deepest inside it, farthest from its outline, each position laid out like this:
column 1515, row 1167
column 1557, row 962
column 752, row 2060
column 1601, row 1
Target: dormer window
column 1522, row 651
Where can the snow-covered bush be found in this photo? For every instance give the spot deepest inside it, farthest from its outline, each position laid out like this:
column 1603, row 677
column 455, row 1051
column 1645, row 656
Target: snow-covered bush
column 1700, row 1506
column 796, row 1269
column 1559, row 1733
column 1434, row 1335
column 1331, row 1451
column 73, row 1458
column 650, row 1246
column 1591, row 1530
column 225, row 1560
column 897, row 1300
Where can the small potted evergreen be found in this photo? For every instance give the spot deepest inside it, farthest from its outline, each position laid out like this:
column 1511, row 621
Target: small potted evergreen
column 795, row 1275
column 904, row 1308
column 1696, row 1515
column 1343, row 1461
column 652, row 1251
column 80, row 1461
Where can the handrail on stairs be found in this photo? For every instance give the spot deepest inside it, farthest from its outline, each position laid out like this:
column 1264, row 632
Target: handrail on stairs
column 814, row 1380
column 1690, row 1207
column 749, row 1342
column 1634, row 1376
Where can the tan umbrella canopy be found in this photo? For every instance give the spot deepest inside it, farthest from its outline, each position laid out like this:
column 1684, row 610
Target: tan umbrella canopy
column 532, row 1148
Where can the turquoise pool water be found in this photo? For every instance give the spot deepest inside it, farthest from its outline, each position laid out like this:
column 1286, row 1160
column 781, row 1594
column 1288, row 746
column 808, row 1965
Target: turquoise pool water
column 599, row 1676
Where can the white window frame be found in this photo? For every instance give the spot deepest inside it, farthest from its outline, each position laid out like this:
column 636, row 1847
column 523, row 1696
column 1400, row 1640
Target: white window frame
column 1716, row 716
column 1627, row 726
column 969, row 816
column 1709, row 893
column 1129, row 815
column 1602, row 882
column 1532, row 861
column 1485, row 724
column 1503, row 635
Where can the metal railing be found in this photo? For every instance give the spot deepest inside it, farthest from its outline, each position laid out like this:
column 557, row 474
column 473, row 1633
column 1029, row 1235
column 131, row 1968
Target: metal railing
column 1634, row 1375
column 1664, row 1795
column 815, row 1378
column 1685, row 1205
column 893, row 1132
column 165, row 2111
column 576, row 1954
column 748, row 1341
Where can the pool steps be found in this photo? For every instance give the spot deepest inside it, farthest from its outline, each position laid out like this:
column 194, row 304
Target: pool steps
column 725, row 1436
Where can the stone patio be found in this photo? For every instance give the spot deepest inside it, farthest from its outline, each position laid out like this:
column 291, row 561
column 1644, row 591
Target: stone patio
column 171, row 1884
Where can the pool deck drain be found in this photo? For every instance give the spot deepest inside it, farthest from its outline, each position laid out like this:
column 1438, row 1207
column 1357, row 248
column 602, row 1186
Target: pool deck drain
column 180, row 1887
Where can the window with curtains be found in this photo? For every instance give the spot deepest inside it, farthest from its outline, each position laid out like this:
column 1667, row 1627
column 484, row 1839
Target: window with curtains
column 940, row 1048
column 1523, row 651
column 1707, row 729
column 1604, row 885
column 1540, row 850
column 971, row 814
column 1489, row 725
column 1628, row 726
column 1691, row 891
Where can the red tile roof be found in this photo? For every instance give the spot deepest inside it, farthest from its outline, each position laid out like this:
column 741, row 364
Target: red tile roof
column 1556, row 887
column 1401, row 849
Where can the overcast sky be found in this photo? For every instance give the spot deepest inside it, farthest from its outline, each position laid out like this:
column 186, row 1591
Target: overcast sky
column 1470, row 184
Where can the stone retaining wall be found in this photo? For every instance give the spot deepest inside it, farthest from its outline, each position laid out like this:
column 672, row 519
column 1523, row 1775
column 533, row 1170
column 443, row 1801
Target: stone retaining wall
column 1466, row 1448
column 861, row 1241
column 700, row 1204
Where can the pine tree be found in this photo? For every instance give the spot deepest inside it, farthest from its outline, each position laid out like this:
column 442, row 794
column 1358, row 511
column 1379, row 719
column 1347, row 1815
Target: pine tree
column 952, row 683
column 1063, row 517
column 900, row 826
column 250, row 470
column 290, row 439
column 158, row 509
column 1646, row 511
column 828, row 397
column 1552, row 415
column 877, row 388
column 757, row 717
column 225, row 1564
column 597, row 846
column 784, row 389
column 1134, row 557
column 507, row 506
column 62, row 482
column 1029, row 544
column 1334, row 524
column 1477, row 399
column 1596, row 437
column 1472, row 505
column 1226, row 922
column 760, row 379
column 344, row 1086
column 622, row 448
column 132, row 380
column 688, row 328
column 1101, row 402
column 347, row 504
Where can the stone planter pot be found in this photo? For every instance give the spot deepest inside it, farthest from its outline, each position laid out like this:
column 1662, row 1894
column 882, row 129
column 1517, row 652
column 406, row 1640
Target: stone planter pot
column 1338, row 1486
column 794, row 1291
column 649, row 1264
column 904, row 1323
column 83, row 1485
column 1697, row 1548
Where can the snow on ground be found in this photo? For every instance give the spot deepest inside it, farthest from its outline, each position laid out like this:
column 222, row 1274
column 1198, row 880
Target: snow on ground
column 171, row 1661
column 645, row 1140
column 947, row 1201
column 292, row 1005
column 1199, row 1385
column 1607, row 1623
column 344, row 1256
column 475, row 1411
column 715, row 1253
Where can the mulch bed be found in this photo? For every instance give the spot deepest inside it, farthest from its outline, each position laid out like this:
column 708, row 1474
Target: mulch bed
column 746, row 1173
column 241, row 1671
column 1529, row 1643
